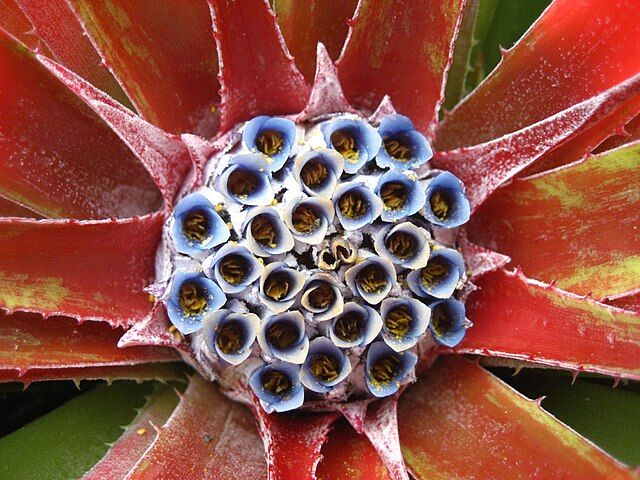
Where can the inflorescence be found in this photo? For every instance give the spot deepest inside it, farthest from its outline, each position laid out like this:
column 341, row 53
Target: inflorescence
column 306, row 266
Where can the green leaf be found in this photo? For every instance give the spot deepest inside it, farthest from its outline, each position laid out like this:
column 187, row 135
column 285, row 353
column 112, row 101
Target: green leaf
column 70, row 440
column 609, row 417
column 486, row 26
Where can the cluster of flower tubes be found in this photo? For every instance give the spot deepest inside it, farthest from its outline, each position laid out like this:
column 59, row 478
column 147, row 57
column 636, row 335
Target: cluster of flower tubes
column 308, row 258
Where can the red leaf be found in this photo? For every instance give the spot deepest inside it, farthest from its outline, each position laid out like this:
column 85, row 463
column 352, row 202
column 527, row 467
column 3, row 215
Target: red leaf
column 59, row 28
column 145, row 371
column 348, row 455
column 163, row 55
column 165, row 156
column 293, row 442
column 259, row 75
column 207, row 437
column 519, row 318
column 461, row 422
column 135, row 440
column 627, row 302
column 91, row 270
column 305, row 23
column 576, row 50
column 575, row 225
column 402, row 49
column 9, row 208
column 484, row 167
column 28, row 342
column 58, row 157
column 14, row 21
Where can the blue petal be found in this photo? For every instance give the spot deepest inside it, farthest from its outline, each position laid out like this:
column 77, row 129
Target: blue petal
column 217, row 230
column 296, row 280
column 322, row 345
column 214, row 322
column 408, row 361
column 452, row 262
column 423, row 248
column 263, row 193
column 454, row 311
column 297, row 351
column 374, row 205
column 351, row 278
column 286, row 128
column 450, row 188
column 420, row 315
column 288, row 400
column 415, row 195
column 367, row 140
column 370, row 330
column 211, row 266
column 401, row 128
column 284, row 239
column 334, row 163
column 190, row 323
column 324, row 209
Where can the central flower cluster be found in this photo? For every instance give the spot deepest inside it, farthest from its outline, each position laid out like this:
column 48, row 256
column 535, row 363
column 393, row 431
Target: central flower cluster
column 306, row 266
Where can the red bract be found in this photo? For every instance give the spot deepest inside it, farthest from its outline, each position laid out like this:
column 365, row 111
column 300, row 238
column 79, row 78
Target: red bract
column 106, row 108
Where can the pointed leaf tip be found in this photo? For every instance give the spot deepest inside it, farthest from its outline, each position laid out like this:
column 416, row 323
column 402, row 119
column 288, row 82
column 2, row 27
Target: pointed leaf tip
column 259, row 76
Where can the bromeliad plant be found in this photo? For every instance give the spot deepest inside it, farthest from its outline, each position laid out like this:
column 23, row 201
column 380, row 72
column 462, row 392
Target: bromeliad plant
column 310, row 239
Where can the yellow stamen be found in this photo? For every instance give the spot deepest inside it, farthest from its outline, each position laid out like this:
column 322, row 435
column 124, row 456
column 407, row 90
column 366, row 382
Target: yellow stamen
column 385, row 370
column 324, row 367
column 372, row 279
column 195, row 226
column 263, row 231
column 314, row 173
column 276, row 286
column 398, row 321
column 275, row 382
column 322, row 296
column 440, row 323
column 398, row 150
column 345, row 144
column 281, row 334
column 193, row 299
column 433, row 273
column 401, row 244
column 230, row 337
column 270, row 142
column 233, row 268
column 352, row 204
column 439, row 206
column 305, row 218
column 394, row 195
column 349, row 327
column 242, row 183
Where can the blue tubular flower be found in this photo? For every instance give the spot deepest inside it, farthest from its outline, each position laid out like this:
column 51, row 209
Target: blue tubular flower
column 446, row 205
column 386, row 369
column 322, row 297
column 401, row 194
column 356, row 326
column 278, row 387
column 441, row 275
column 371, row 279
column 356, row 140
column 230, row 335
column 308, row 218
column 325, row 367
column 266, row 233
column 404, row 320
column 272, row 137
column 356, row 205
column 245, row 182
column 405, row 245
column 192, row 296
column 195, row 225
column 448, row 322
column 279, row 286
column 318, row 171
column 403, row 147
column 233, row 268
column 283, row 337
